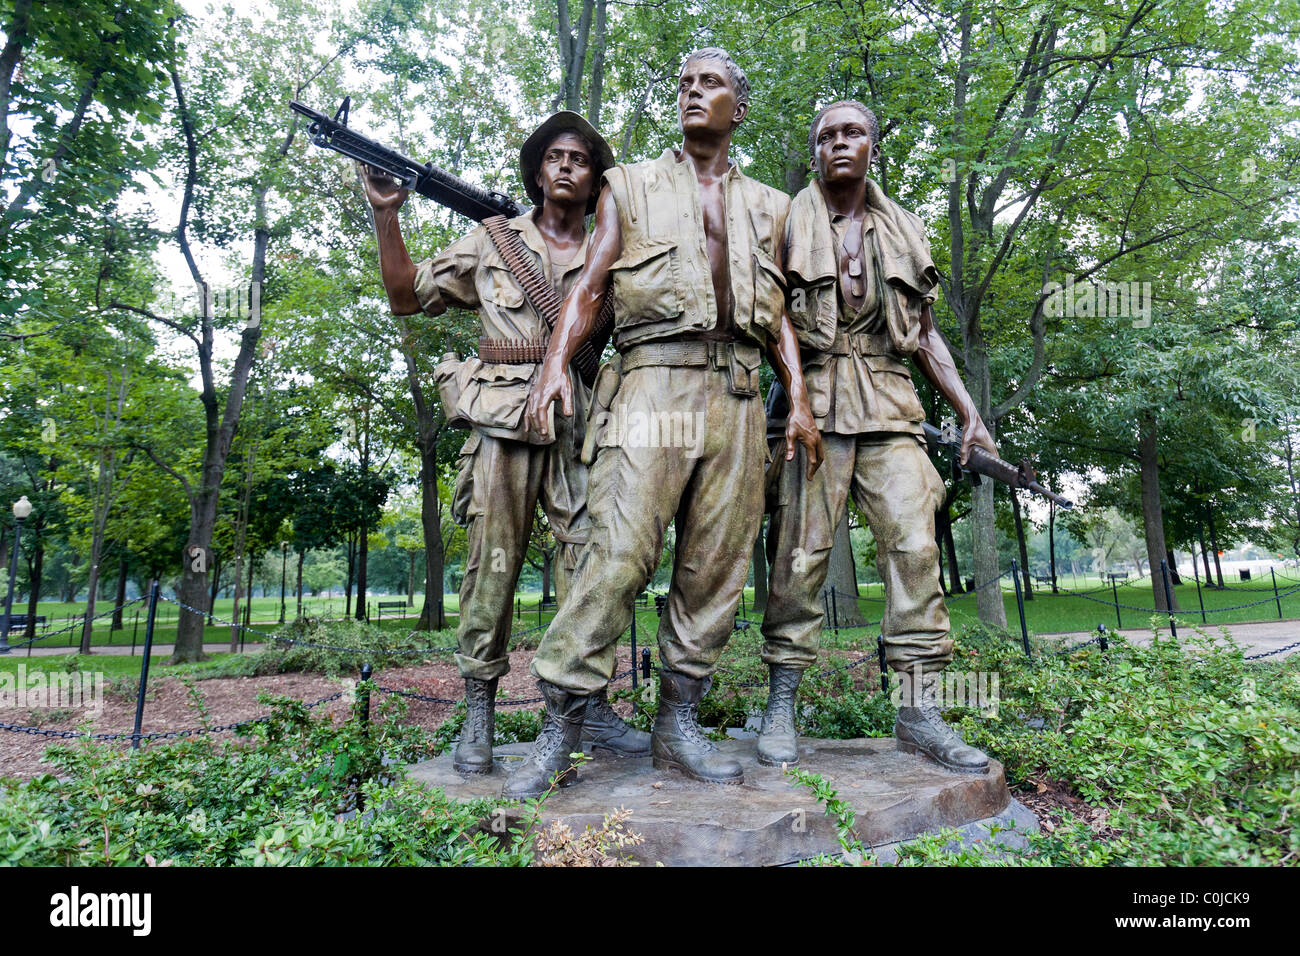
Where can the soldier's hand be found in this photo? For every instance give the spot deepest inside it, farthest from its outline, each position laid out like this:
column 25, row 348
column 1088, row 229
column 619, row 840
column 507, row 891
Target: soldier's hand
column 382, row 191
column 802, row 428
column 976, row 433
column 553, row 383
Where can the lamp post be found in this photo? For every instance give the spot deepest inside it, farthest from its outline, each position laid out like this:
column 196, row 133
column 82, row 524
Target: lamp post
column 284, row 557
column 22, row 508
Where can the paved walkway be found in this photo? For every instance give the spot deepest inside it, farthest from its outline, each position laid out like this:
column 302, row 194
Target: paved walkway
column 1257, row 638
column 125, row 650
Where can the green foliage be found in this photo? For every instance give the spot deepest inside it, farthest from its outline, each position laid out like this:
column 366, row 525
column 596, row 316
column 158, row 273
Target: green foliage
column 338, row 644
column 288, row 798
column 1193, row 752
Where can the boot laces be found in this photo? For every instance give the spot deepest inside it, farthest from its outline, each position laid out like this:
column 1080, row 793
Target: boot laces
column 689, row 726
column 604, row 713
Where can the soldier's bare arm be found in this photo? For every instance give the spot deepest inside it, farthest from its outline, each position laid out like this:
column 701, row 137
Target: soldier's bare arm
column 396, row 268
column 577, row 317
column 800, row 426
column 936, row 362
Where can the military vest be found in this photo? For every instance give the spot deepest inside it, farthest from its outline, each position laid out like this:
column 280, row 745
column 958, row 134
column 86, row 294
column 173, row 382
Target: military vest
column 662, row 284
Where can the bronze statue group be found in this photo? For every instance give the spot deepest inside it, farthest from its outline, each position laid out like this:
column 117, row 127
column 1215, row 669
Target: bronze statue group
column 708, row 271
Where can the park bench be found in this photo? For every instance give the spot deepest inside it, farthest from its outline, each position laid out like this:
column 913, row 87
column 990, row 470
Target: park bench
column 18, row 622
column 1117, row 575
column 389, row 605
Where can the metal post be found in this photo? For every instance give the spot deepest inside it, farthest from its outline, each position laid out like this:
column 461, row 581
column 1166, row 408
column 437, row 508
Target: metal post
column 1101, row 637
column 835, row 610
column 1114, row 589
column 1020, row 605
column 1199, row 600
column 1169, row 599
column 519, row 609
column 884, row 671
column 135, row 629
column 9, row 595
column 645, row 663
column 144, row 664
column 1275, row 594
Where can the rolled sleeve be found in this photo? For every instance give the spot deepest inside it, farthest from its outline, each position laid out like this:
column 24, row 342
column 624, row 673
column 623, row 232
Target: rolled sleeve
column 447, row 280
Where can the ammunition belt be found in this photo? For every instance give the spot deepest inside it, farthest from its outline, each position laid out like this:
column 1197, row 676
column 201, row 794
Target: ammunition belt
column 511, row 351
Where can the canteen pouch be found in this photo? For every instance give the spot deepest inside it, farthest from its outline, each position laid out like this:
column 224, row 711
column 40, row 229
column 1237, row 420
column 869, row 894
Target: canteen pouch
column 449, row 375
column 603, row 391
column 743, row 361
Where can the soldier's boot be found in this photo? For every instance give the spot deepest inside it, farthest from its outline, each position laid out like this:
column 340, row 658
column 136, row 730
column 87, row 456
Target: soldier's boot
column 561, row 732
column 474, row 749
column 678, row 743
column 920, row 729
column 777, row 738
column 606, row 730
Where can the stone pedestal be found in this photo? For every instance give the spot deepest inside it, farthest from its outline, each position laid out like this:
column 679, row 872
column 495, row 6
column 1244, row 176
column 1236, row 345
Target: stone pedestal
column 769, row 820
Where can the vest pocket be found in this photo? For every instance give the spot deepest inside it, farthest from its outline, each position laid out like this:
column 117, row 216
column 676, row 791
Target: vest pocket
column 818, row 381
column 769, row 294
column 647, row 284
column 496, row 394
column 499, row 285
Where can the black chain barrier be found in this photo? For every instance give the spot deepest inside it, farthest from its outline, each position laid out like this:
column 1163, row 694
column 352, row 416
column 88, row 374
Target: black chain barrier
column 75, row 626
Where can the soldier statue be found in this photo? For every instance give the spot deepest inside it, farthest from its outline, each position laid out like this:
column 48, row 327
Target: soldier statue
column 505, row 466
column 690, row 249
column 861, row 284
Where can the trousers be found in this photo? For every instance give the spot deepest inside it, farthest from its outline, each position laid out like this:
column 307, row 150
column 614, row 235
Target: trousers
column 706, row 477
column 499, row 486
column 898, row 490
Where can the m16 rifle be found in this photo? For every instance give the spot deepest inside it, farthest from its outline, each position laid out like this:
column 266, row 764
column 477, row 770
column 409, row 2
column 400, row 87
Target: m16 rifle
column 949, row 439
column 426, row 179
column 482, row 205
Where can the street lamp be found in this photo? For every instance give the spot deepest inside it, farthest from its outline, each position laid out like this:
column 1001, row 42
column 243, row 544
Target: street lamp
column 284, row 556
column 22, row 508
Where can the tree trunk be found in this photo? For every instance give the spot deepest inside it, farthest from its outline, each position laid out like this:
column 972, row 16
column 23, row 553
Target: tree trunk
column 1026, row 577
column 1205, row 555
column 1152, row 517
column 301, row 555
column 843, row 577
column 220, row 425
column 548, row 559
column 216, row 587
column 363, row 559
column 119, row 594
column 1051, row 541
column 352, row 567
column 410, row 581
column 92, row 589
column 1214, row 546
column 1175, row 578
column 760, row 571
column 34, row 589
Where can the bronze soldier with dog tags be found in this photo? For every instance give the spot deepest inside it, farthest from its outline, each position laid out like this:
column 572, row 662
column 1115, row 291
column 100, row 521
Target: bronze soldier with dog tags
column 506, row 467
column 861, row 283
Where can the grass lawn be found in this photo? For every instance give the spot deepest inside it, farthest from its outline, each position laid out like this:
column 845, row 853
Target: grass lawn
column 1046, row 613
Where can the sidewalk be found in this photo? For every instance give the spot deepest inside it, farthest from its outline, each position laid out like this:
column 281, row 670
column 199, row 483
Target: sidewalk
column 1257, row 638
column 125, row 650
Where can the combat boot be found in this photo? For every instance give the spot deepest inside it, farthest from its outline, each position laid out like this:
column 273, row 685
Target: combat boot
column 605, row 730
column 561, row 731
column 678, row 743
column 920, row 728
column 777, row 738
column 474, row 749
